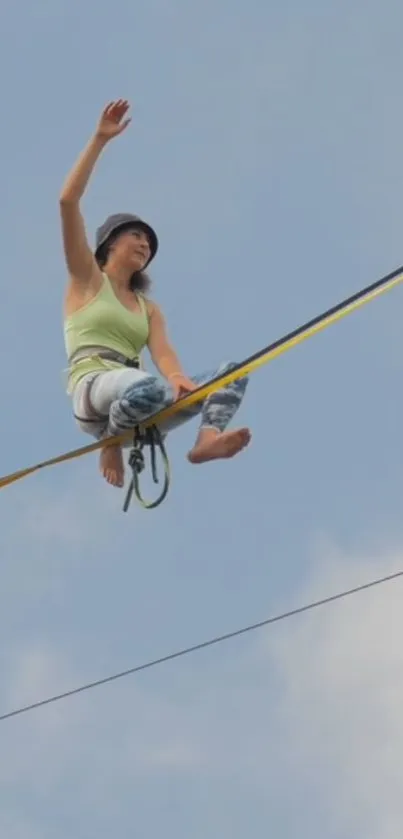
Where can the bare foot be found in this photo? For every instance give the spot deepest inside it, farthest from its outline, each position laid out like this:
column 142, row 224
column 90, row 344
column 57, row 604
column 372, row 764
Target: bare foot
column 212, row 445
column 111, row 465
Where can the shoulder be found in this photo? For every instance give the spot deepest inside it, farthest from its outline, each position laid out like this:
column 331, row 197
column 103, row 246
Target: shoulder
column 152, row 308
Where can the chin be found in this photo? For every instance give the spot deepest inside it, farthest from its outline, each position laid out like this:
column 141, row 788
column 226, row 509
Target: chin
column 138, row 266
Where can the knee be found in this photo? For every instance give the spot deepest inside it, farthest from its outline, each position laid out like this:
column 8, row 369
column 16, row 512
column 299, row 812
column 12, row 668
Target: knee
column 151, row 392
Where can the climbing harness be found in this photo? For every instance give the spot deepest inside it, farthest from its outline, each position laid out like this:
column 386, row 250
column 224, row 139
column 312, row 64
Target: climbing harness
column 249, row 365
column 153, row 438
column 150, row 436
column 108, row 355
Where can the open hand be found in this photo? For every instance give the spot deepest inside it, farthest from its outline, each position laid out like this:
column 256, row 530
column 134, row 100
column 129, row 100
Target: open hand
column 181, row 385
column 112, row 120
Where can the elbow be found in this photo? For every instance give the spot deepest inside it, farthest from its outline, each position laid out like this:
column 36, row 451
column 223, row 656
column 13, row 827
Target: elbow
column 67, row 198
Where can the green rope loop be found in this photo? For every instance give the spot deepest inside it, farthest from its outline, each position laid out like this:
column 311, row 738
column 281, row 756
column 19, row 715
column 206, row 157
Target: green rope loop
column 152, row 437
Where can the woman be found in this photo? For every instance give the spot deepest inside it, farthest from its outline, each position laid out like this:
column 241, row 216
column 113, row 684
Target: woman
column 109, row 320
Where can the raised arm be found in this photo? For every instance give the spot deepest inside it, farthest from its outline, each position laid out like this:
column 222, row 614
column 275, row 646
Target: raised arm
column 80, row 260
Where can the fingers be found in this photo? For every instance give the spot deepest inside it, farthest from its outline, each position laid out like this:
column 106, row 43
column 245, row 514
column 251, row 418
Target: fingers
column 185, row 389
column 125, row 124
column 181, row 386
column 116, row 110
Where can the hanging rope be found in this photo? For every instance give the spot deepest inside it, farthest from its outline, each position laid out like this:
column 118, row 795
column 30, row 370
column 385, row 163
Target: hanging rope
column 149, row 437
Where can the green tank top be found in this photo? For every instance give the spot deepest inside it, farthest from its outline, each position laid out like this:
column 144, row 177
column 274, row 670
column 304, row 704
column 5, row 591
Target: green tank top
column 104, row 322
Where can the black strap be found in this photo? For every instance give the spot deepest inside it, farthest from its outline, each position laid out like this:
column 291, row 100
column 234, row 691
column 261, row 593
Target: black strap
column 108, row 354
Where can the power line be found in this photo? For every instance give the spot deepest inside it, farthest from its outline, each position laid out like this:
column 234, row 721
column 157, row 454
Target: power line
column 187, row 650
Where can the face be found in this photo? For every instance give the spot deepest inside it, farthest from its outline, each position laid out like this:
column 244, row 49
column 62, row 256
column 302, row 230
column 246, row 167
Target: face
column 132, row 248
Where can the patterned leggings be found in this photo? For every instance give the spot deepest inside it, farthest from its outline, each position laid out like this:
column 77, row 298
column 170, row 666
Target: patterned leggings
column 110, row 402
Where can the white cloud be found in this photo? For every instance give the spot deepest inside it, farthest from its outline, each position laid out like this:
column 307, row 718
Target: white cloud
column 36, row 745
column 313, row 703
column 341, row 708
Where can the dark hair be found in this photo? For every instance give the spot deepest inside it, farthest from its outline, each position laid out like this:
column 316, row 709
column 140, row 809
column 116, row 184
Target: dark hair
column 139, row 280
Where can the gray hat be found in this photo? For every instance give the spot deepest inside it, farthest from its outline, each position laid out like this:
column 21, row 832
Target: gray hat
column 121, row 221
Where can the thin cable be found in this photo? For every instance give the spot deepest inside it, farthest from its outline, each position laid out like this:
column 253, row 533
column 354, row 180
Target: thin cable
column 217, row 640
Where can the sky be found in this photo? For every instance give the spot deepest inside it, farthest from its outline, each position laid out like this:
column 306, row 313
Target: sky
column 265, row 148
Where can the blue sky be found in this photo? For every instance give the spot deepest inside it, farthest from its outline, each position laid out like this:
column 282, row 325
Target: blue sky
column 265, row 148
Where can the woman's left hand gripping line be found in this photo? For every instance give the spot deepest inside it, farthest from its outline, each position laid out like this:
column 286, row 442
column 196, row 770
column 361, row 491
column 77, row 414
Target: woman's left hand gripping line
column 181, row 385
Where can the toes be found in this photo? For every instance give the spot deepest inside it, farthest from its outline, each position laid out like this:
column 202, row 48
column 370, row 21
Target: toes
column 112, row 477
